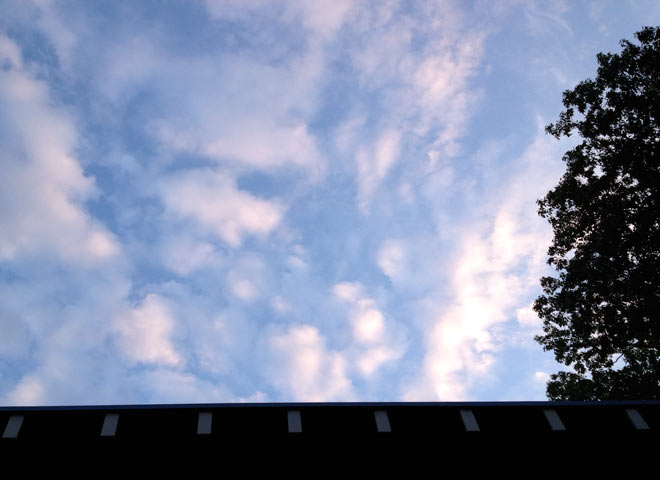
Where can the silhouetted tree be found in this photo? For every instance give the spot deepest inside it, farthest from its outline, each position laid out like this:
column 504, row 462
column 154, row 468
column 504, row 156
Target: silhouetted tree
column 601, row 312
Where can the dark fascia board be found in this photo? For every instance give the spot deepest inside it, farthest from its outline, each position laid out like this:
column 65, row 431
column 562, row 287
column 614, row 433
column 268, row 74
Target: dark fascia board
column 197, row 406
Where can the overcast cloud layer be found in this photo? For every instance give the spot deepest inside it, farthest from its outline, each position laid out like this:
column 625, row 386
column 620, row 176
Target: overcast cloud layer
column 272, row 200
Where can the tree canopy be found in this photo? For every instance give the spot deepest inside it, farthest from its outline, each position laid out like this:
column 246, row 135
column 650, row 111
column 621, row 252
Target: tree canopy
column 600, row 311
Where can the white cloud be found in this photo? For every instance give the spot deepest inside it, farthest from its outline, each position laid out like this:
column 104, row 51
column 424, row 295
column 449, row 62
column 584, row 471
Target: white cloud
column 222, row 340
column 526, row 316
column 497, row 266
column 179, row 387
column 61, row 37
column 247, row 279
column 42, row 186
column 374, row 165
column 242, row 288
column 369, row 324
column 441, row 83
column 10, row 54
column 349, row 291
column 239, row 109
column 59, row 319
column 258, row 143
column 391, row 258
column 144, row 333
column 280, row 305
column 297, row 263
column 385, row 50
column 303, row 368
column 541, row 377
column 419, row 61
column 184, row 254
column 322, row 17
column 212, row 200
column 371, row 360
column 376, row 340
column 29, row 391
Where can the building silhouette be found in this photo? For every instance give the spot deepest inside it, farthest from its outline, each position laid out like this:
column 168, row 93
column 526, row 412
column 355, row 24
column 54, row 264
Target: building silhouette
column 445, row 440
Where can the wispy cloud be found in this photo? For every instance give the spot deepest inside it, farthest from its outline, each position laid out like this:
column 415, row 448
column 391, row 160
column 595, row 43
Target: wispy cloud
column 373, row 166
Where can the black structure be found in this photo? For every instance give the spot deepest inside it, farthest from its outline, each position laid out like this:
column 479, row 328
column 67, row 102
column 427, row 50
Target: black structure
column 448, row 440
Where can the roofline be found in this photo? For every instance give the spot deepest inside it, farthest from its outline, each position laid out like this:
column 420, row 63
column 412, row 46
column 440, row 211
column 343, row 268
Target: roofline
column 197, row 406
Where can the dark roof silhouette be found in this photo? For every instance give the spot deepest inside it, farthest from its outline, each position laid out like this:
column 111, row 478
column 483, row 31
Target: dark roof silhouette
column 471, row 439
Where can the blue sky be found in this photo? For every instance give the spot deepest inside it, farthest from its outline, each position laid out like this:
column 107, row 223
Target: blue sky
column 223, row 201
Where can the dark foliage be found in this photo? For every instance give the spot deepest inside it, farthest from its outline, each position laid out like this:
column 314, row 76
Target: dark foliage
column 601, row 312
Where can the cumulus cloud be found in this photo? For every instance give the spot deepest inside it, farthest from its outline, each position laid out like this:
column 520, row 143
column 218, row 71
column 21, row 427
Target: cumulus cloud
column 369, row 324
column 213, row 202
column 367, row 321
column 29, row 391
column 349, row 291
column 376, row 341
column 391, row 258
column 145, row 333
column 242, row 288
column 184, row 254
column 374, row 358
column 526, row 316
column 43, row 186
column 304, row 369
column 541, row 377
